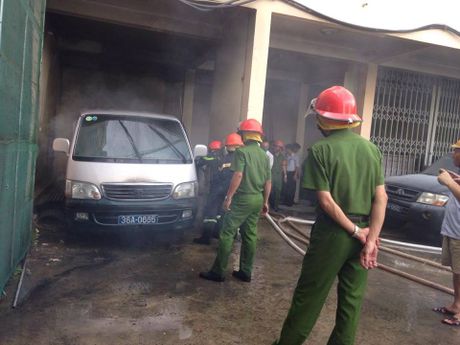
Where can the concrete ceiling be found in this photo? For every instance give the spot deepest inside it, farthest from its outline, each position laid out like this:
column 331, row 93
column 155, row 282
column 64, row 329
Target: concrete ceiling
column 301, row 67
column 154, row 15
column 97, row 44
column 330, row 40
column 388, row 14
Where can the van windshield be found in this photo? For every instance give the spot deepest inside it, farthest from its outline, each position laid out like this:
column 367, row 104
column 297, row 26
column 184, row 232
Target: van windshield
column 131, row 139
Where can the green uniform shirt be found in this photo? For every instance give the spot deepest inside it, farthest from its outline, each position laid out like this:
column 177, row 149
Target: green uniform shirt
column 349, row 167
column 253, row 162
column 277, row 168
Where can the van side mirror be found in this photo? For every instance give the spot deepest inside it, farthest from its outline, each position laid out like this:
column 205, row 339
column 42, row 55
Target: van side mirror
column 61, row 145
column 200, row 151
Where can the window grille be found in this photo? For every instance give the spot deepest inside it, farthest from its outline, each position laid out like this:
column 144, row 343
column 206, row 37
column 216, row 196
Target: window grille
column 416, row 118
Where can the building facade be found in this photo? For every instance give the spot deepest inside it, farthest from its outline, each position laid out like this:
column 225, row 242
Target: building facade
column 263, row 59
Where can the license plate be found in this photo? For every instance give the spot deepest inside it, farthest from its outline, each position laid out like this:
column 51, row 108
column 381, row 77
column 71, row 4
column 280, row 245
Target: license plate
column 395, row 208
column 138, row 219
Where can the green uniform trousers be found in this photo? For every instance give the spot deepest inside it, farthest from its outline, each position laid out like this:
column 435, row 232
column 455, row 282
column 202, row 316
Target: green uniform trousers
column 332, row 252
column 244, row 214
column 275, row 195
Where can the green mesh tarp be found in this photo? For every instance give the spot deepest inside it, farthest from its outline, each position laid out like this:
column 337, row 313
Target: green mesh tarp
column 21, row 33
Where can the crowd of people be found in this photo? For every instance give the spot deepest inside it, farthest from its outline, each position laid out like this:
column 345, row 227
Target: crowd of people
column 344, row 170
column 284, row 164
column 235, row 200
column 285, row 168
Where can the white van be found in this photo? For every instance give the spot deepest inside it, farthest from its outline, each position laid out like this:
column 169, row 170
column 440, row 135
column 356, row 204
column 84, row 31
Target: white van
column 130, row 169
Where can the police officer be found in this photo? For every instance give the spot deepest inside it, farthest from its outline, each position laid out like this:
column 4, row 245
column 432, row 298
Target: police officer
column 345, row 171
column 222, row 176
column 279, row 173
column 246, row 197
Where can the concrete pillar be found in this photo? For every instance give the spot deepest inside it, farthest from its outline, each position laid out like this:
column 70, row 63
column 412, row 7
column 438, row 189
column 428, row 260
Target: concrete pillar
column 189, row 92
column 368, row 103
column 354, row 81
column 241, row 70
column 229, row 75
column 303, row 105
column 300, row 134
column 361, row 79
column 258, row 63
column 49, row 84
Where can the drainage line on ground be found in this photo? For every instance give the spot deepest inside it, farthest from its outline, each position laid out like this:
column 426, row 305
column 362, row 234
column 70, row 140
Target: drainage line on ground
column 18, row 289
column 380, row 266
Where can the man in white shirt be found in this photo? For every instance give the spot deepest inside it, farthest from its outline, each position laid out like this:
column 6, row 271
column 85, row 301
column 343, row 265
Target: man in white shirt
column 293, row 173
column 451, row 236
column 265, row 146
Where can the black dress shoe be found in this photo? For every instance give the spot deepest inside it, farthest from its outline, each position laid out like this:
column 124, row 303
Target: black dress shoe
column 212, row 276
column 202, row 240
column 242, row 276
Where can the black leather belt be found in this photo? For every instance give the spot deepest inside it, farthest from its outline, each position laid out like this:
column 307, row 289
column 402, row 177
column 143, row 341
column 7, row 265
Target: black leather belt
column 353, row 217
column 358, row 219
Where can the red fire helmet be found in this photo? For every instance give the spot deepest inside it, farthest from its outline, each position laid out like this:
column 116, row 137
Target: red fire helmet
column 215, row 145
column 338, row 104
column 251, row 125
column 233, row 139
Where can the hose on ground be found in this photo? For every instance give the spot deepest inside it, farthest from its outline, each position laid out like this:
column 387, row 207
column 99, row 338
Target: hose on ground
column 385, row 268
column 283, row 235
column 386, row 249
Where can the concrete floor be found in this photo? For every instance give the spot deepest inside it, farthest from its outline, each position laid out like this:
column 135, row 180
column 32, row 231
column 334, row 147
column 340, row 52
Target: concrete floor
column 137, row 289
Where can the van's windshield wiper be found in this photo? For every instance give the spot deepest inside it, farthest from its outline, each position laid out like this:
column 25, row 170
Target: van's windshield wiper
column 174, row 148
column 131, row 141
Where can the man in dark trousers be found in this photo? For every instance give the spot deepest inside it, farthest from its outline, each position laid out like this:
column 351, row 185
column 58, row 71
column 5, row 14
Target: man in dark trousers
column 293, row 173
column 279, row 174
column 346, row 172
column 246, row 197
column 222, row 175
column 207, row 169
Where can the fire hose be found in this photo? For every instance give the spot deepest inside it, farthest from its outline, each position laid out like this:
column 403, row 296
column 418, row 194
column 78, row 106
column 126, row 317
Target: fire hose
column 391, row 251
column 305, row 239
column 283, row 235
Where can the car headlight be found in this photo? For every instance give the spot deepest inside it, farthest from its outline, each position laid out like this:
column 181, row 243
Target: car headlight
column 82, row 190
column 433, row 199
column 185, row 190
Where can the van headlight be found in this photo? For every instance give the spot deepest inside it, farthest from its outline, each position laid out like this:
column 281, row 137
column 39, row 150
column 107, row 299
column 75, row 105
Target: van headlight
column 432, row 199
column 185, row 190
column 82, row 190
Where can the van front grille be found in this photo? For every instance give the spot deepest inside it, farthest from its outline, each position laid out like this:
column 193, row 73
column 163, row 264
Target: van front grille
column 400, row 193
column 136, row 191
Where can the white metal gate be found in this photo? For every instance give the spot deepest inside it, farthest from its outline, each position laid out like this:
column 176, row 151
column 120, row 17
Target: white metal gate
column 416, row 118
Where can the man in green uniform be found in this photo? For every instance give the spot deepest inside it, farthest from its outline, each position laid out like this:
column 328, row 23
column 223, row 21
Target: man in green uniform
column 279, row 174
column 246, row 197
column 345, row 171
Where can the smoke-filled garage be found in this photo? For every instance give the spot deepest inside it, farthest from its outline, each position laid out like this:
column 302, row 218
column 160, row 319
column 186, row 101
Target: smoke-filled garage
column 91, row 64
column 264, row 60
